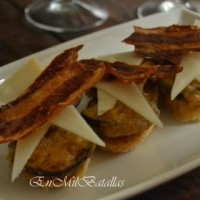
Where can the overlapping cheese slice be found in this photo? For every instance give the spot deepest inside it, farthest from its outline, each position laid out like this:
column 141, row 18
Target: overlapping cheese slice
column 109, row 92
column 191, row 71
column 16, row 84
column 71, row 120
column 24, row 150
column 132, row 97
column 106, row 101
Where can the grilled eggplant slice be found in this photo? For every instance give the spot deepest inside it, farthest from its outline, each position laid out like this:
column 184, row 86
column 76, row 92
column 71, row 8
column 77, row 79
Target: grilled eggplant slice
column 60, row 155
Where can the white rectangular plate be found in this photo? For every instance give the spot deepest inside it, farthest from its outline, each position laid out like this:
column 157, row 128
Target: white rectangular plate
column 165, row 154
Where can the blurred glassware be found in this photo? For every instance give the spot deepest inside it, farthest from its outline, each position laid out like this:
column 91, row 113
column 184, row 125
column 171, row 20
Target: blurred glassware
column 65, row 15
column 154, row 6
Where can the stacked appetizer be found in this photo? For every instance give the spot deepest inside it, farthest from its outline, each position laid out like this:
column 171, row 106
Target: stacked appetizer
column 179, row 45
column 122, row 102
column 131, row 111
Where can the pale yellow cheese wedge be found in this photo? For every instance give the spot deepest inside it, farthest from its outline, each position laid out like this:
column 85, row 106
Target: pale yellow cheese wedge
column 18, row 82
column 24, row 150
column 105, row 102
column 132, row 97
column 71, row 120
column 191, row 71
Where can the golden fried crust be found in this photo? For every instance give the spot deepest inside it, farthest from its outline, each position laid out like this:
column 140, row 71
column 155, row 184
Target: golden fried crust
column 126, row 143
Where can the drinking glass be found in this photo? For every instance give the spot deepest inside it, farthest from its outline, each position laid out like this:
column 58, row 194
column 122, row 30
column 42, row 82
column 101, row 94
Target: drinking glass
column 65, row 15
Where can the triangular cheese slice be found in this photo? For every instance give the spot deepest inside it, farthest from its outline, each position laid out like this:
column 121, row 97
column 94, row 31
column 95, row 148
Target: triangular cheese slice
column 105, row 102
column 191, row 71
column 132, row 97
column 71, row 120
column 24, row 150
column 20, row 80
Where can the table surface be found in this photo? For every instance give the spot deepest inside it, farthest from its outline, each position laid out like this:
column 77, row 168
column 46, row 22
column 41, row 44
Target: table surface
column 18, row 39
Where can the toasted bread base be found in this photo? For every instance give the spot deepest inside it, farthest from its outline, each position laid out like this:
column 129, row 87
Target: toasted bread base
column 186, row 106
column 182, row 110
column 126, row 143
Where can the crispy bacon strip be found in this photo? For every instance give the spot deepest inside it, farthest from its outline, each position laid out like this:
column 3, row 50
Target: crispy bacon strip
column 61, row 84
column 166, row 43
column 128, row 73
